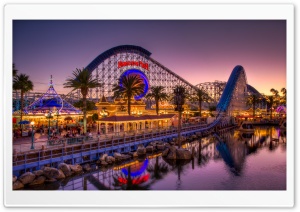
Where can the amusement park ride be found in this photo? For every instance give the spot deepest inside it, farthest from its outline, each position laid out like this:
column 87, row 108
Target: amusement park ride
column 124, row 60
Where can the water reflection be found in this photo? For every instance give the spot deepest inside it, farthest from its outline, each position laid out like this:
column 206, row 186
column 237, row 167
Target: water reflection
column 231, row 156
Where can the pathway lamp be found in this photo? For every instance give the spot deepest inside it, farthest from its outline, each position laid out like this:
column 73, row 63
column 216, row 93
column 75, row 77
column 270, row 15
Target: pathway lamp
column 57, row 114
column 49, row 116
column 179, row 98
column 32, row 134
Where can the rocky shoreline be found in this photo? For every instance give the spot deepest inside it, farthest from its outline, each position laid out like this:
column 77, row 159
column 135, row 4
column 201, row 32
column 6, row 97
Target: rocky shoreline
column 48, row 175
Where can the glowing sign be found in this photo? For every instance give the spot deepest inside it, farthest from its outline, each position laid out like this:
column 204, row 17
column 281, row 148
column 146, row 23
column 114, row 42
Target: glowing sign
column 142, row 76
column 133, row 63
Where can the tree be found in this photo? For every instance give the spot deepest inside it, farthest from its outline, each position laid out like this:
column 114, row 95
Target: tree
column 128, row 87
column 90, row 105
column 271, row 102
column 82, row 79
column 283, row 98
column 180, row 95
column 200, row 96
column 253, row 100
column 15, row 71
column 21, row 82
column 158, row 94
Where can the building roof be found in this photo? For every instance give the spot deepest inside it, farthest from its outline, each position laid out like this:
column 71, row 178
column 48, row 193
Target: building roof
column 51, row 101
column 136, row 118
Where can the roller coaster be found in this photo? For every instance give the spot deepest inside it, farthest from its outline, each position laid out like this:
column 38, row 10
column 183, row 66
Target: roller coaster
column 114, row 63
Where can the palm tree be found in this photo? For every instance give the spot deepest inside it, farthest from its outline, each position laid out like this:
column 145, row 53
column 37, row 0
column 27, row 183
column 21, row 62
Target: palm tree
column 82, row 79
column 283, row 98
column 158, row 94
column 200, row 96
column 15, row 71
column 128, row 87
column 21, row 82
column 180, row 95
column 253, row 100
column 271, row 101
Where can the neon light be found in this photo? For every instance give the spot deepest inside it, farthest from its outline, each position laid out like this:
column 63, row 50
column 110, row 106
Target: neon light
column 133, row 63
column 138, row 172
column 142, row 76
column 135, row 181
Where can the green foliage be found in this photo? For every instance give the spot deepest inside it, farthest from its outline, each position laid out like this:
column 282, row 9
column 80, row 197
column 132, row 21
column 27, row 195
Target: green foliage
column 95, row 117
column 89, row 105
column 82, row 79
column 24, row 84
column 157, row 93
column 128, row 87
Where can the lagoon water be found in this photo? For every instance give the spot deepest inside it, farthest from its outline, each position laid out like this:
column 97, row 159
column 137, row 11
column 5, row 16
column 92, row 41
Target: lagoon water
column 238, row 161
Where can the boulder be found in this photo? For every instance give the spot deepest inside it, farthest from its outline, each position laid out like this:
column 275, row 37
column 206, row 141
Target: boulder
column 38, row 181
column 141, row 150
column 126, row 157
column 38, row 173
column 76, row 168
column 26, row 178
column 103, row 157
column 50, row 172
column 65, row 168
column 135, row 154
column 167, row 145
column 14, row 178
column 18, row 185
column 61, row 174
column 118, row 156
column 172, row 143
column 50, row 180
column 87, row 167
column 183, row 154
column 103, row 163
column 149, row 149
column 172, row 153
column 110, row 159
column 160, row 146
column 165, row 152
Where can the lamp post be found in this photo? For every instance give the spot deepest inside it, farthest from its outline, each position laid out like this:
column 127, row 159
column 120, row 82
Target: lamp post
column 48, row 116
column 32, row 135
column 179, row 98
column 57, row 114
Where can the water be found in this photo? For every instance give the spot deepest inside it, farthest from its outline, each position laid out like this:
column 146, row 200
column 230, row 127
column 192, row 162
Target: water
column 238, row 162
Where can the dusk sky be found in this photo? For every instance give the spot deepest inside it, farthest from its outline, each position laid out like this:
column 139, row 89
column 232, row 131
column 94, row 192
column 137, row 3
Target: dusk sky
column 198, row 51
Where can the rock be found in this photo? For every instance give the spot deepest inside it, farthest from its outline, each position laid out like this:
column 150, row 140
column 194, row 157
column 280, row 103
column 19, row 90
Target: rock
column 38, row 181
column 126, row 157
column 141, row 150
column 76, row 168
column 118, row 156
column 165, row 152
column 14, row 178
column 172, row 143
column 65, row 168
column 87, row 167
column 135, row 154
column 103, row 163
column 183, row 154
column 38, row 173
column 17, row 185
column 51, row 180
column 167, row 145
column 149, row 149
column 61, row 174
column 103, row 157
column 50, row 172
column 172, row 153
column 160, row 146
column 26, row 178
column 110, row 159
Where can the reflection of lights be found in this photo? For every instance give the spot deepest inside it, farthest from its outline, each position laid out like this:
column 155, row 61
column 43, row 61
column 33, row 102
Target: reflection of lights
column 135, row 181
column 154, row 156
column 139, row 171
column 126, row 165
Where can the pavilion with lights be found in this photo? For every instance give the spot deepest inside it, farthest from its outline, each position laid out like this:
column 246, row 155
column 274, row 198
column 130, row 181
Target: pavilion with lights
column 50, row 106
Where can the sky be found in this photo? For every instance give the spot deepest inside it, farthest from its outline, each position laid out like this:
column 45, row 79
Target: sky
column 197, row 50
